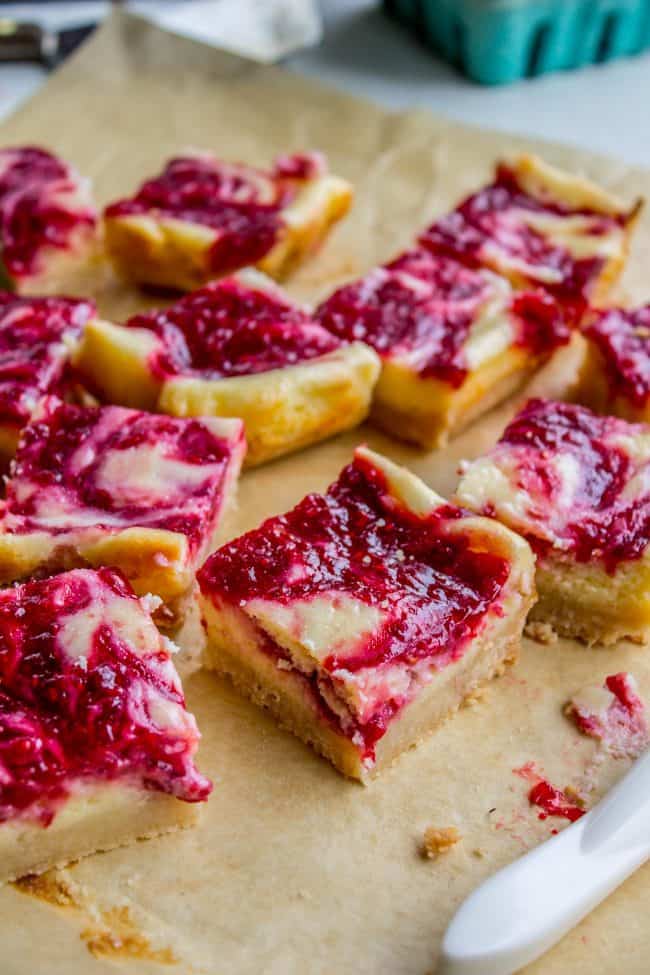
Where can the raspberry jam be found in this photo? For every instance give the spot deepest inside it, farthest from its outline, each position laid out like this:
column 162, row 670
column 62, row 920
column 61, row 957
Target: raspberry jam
column 491, row 226
column 242, row 204
column 574, row 469
column 41, row 207
column 623, row 340
column 33, row 354
column 123, row 466
column 553, row 802
column 423, row 307
column 228, row 329
column 614, row 715
column 88, row 695
column 430, row 587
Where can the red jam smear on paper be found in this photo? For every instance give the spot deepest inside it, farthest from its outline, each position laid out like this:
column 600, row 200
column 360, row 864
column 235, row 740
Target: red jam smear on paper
column 432, row 588
column 604, row 525
column 622, row 337
column 47, row 447
column 483, row 218
column 32, row 215
column 432, row 317
column 62, row 722
column 228, row 329
column 623, row 729
column 32, row 355
column 553, row 802
column 242, row 203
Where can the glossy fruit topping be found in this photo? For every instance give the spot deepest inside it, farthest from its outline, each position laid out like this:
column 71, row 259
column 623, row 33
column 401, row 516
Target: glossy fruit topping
column 504, row 225
column 623, row 339
column 425, row 587
column 423, row 308
column 43, row 205
column 33, row 351
column 88, row 694
column 231, row 329
column 241, row 203
column 101, row 469
column 581, row 482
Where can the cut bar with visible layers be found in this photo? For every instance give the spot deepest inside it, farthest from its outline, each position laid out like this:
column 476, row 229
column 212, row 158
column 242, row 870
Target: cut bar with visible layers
column 48, row 223
column 577, row 487
column 541, row 226
column 112, row 486
column 96, row 745
column 364, row 616
column 453, row 340
column 241, row 348
column 202, row 218
column 615, row 374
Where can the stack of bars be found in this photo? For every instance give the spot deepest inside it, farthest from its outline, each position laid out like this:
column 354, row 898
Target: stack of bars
column 365, row 615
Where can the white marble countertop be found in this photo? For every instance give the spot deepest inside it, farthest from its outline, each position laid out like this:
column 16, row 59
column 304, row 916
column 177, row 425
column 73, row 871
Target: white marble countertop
column 605, row 108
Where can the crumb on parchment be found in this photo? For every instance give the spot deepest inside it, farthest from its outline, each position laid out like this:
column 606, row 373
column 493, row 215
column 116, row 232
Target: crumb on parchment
column 439, row 840
column 540, row 632
column 474, row 696
column 574, row 796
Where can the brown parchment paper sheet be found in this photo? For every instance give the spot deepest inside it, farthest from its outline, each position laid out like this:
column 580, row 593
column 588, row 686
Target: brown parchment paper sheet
column 293, row 869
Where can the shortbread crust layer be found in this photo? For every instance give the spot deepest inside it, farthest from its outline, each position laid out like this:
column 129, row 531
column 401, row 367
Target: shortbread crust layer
column 349, row 651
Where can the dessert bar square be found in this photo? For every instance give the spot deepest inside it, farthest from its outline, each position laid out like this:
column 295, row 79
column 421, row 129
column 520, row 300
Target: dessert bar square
column 615, row 374
column 539, row 225
column 36, row 338
column 577, row 487
column 366, row 615
column 238, row 347
column 453, row 340
column 96, row 745
column 112, row 486
column 202, row 218
column 47, row 219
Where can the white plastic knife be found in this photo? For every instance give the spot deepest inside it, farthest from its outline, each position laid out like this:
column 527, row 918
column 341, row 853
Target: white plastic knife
column 524, row 909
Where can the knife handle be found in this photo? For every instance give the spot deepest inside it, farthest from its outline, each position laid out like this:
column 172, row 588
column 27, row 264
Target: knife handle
column 21, row 41
column 524, row 909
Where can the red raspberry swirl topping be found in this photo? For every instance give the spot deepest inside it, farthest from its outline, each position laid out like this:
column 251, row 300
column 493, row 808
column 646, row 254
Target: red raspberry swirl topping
column 423, row 306
column 84, row 703
column 228, row 329
column 242, row 204
column 491, row 221
column 68, row 458
column 40, row 208
column 33, row 354
column 432, row 588
column 623, row 340
column 589, row 513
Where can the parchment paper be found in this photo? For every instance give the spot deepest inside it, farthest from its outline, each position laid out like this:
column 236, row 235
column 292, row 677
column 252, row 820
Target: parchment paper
column 292, row 868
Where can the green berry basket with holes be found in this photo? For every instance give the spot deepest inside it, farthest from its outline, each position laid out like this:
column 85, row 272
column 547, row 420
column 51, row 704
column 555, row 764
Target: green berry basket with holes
column 496, row 42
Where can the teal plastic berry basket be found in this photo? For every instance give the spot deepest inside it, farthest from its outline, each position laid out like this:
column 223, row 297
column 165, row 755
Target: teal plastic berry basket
column 499, row 41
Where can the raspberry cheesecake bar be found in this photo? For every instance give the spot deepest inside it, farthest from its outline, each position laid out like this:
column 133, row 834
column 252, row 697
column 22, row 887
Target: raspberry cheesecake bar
column 238, row 347
column 202, row 218
column 96, row 745
column 112, row 486
column 539, row 225
column 366, row 615
column 615, row 374
column 453, row 340
column 47, row 219
column 577, row 487
column 36, row 335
